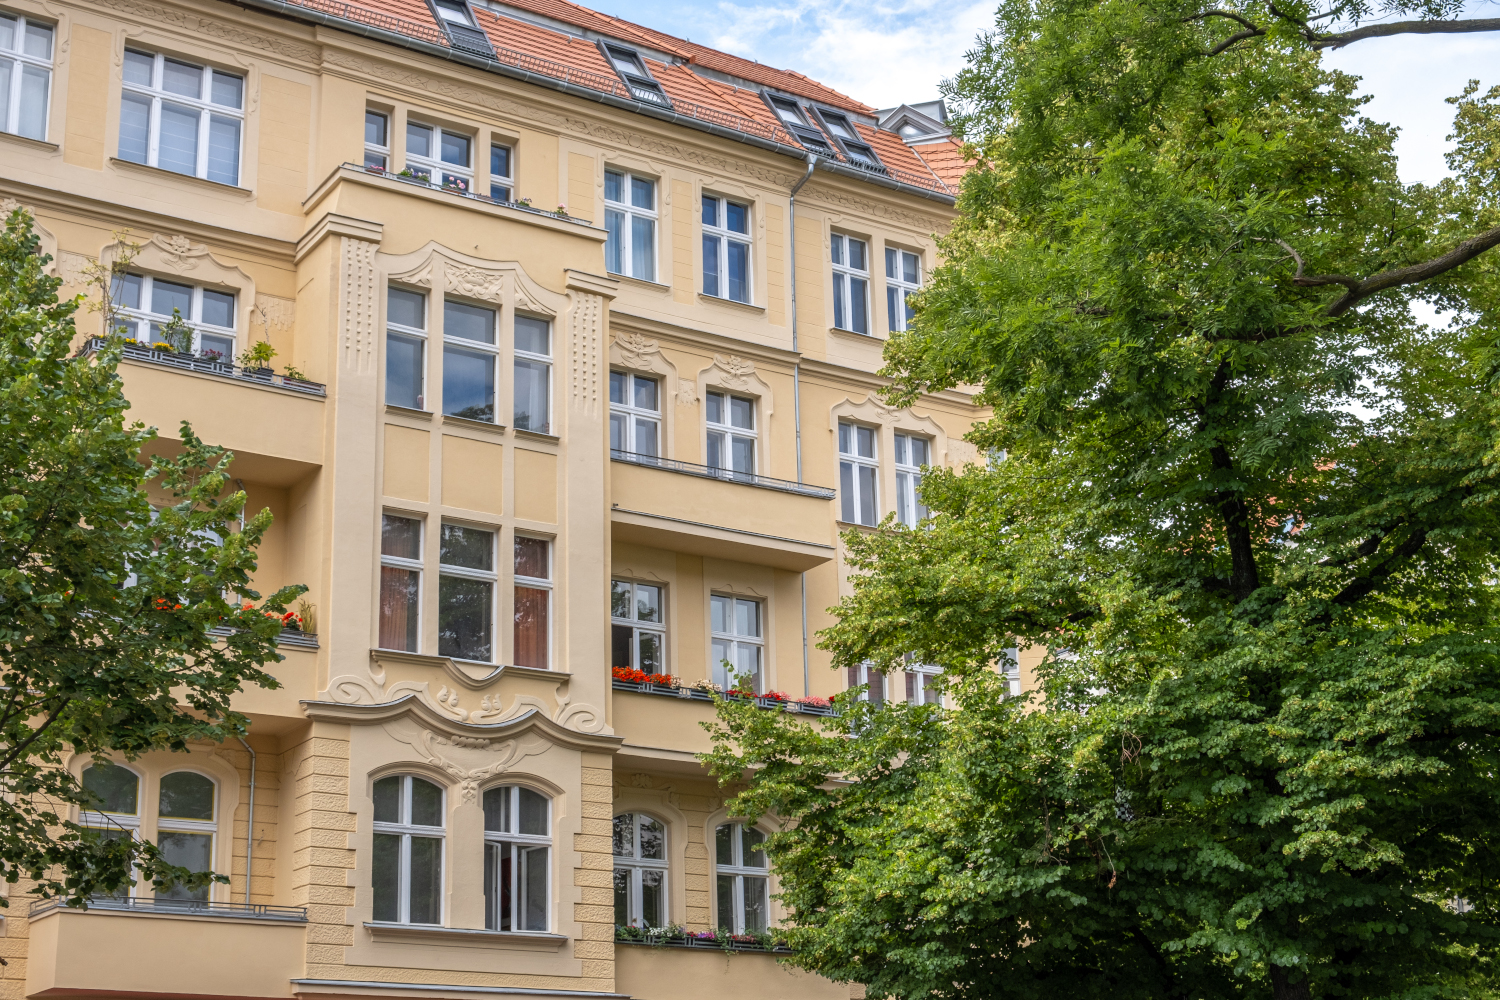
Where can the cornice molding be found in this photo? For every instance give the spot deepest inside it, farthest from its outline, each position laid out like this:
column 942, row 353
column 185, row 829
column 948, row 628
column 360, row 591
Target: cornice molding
column 382, row 657
column 162, row 15
column 412, row 707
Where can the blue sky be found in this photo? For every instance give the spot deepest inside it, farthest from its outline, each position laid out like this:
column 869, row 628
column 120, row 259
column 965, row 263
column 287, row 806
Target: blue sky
column 886, row 52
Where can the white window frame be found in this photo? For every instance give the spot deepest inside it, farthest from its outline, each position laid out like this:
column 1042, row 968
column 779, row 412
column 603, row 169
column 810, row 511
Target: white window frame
column 490, row 576
column 434, row 164
column 632, row 416
column 401, row 562
column 130, row 823
column 10, row 116
column 844, row 277
column 173, row 824
column 507, row 180
column 463, row 343
column 740, row 871
column 726, row 432
column 734, row 641
column 724, row 236
column 539, row 583
column 919, row 678
column 636, row 866
column 875, row 683
column 637, row 626
column 897, row 288
column 850, row 496
column 416, row 333
column 203, row 105
column 517, row 892
column 145, row 316
column 542, row 359
column 375, row 150
column 628, row 211
column 406, row 830
column 910, row 509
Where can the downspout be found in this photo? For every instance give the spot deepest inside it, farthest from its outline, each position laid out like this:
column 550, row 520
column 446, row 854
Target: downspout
column 250, row 818
column 812, row 162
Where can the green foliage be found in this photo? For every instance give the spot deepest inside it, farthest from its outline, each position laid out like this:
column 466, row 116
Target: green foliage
column 258, row 354
column 1248, row 506
column 107, row 608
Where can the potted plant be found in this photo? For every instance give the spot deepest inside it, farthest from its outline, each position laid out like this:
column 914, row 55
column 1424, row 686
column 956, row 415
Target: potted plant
column 174, row 336
column 256, row 360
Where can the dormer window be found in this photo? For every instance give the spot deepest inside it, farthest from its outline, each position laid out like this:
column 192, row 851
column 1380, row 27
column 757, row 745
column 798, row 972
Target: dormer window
column 796, row 123
column 855, row 148
column 463, row 31
column 454, row 12
column 632, row 69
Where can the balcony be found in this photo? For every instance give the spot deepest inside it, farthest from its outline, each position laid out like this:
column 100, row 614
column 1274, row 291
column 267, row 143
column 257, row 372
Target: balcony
column 693, row 971
column 207, row 366
column 699, row 510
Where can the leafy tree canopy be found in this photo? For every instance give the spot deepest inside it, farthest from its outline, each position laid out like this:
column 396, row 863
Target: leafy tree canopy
column 123, row 627
column 1247, row 504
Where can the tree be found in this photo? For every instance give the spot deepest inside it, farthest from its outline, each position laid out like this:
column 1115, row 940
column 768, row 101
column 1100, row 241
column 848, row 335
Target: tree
column 1247, row 502
column 123, row 627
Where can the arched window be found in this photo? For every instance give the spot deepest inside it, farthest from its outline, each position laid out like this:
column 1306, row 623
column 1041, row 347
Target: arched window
column 640, row 871
column 517, row 859
column 741, row 881
column 117, row 794
column 185, row 827
column 408, row 857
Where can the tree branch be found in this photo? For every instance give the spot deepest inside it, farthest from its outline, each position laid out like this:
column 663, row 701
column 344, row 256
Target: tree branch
column 1366, row 548
column 1342, row 38
column 1361, row 586
column 1359, row 289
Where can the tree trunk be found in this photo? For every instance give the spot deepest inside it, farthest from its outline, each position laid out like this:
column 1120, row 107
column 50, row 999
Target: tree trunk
column 1283, row 989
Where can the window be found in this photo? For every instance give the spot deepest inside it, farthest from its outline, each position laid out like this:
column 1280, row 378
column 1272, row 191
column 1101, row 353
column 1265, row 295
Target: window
column 182, row 117
column 501, row 179
column 405, row 348
column 469, row 356
column 377, row 140
column 116, row 792
column 634, row 414
column 726, row 249
column 851, row 284
column 533, row 594
column 533, row 360
column 457, row 20
column 912, row 453
column 865, row 675
column 855, row 148
column 454, row 12
column 921, row 684
column 466, row 593
column 857, row 473
column 635, row 74
column 143, row 305
column 731, row 432
column 737, row 642
column 25, row 75
column 640, row 871
column 408, row 855
column 638, row 639
column 439, row 157
column 630, row 221
column 185, row 828
column 903, row 277
column 517, row 859
column 796, row 122
column 741, row 882
column 400, row 582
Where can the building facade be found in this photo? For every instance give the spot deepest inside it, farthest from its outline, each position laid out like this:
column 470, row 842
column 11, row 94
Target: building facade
column 576, row 331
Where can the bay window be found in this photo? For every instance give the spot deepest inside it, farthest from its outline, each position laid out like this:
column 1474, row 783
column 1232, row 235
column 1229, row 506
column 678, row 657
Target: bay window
column 469, row 357
column 181, row 117
column 533, row 375
column 405, row 348
column 440, row 157
column 407, row 861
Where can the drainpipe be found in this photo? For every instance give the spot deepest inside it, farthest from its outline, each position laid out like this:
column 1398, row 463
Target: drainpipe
column 250, row 818
column 812, row 162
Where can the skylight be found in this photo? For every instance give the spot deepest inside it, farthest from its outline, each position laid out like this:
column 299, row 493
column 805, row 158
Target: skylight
column 632, row 70
column 796, row 123
column 856, row 149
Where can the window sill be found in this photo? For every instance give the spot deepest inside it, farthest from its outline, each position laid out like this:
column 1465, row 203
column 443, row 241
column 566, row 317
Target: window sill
column 407, row 411
column 463, row 937
column 841, row 332
column 159, row 173
column 656, row 285
column 22, row 140
column 521, row 432
column 720, row 301
column 478, row 425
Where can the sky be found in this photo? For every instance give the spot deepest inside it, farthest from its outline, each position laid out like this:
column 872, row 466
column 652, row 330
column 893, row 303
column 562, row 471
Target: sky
column 890, row 52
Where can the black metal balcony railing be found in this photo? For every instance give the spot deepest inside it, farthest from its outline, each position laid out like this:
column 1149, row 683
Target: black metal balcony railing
column 724, row 475
column 423, row 182
column 191, row 907
column 773, row 703
column 208, row 366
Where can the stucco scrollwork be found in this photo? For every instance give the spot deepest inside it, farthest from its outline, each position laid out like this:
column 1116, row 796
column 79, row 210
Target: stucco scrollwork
column 219, row 30
column 450, row 703
column 874, row 410
column 738, row 374
column 468, row 760
column 585, row 323
column 474, row 282
column 636, row 351
column 43, row 234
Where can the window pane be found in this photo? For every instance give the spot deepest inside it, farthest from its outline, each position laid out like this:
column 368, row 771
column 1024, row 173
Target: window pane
column 223, row 150
column 499, row 906
column 836, row 248
column 858, row 307
column 645, row 393
column 401, row 537
column 465, row 618
column 747, row 618
column 469, row 322
column 497, row 809
column 115, row 788
column 748, row 667
column 193, row 851
column 719, row 613
column 177, row 139
column 612, row 184
column 622, row 896
column 743, row 454
column 651, row 652
column 186, row 795
column 182, row 78
column 533, row 335
column 653, row 840
column 614, row 242
column 725, row 887
column 893, row 306
column 756, row 904
column 867, row 513
column 739, row 271
column 643, row 248
column 839, row 319
column 909, row 267
column 218, row 308
column 647, row 603
column 742, row 412
column 418, row 139
column 426, row 803
column 126, row 291
column 736, row 218
column 620, row 599
column 468, row 383
column 398, row 608
column 865, row 439
column 715, row 450
column 38, row 40
column 455, row 149
column 405, row 308
column 534, row 883
column 531, row 628
column 846, row 492
column 166, row 296
column 711, row 265
column 721, row 663
column 715, row 403
column 533, row 812
column 724, row 844
column 228, row 91
column 388, row 800
column 892, row 268
column 426, row 880
column 751, row 855
column 531, row 396
column 500, row 161
column 403, row 371
column 903, row 484
column 857, row 255
column 642, row 193
column 375, row 128
column 32, row 121
column 386, row 866
column 135, row 121
column 653, row 897
column 617, row 383
column 211, row 346
column 531, row 557
column 623, row 838
column 621, row 641
column 710, row 211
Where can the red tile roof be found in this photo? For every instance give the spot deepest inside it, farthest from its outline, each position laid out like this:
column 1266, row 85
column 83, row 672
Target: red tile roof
column 945, row 158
